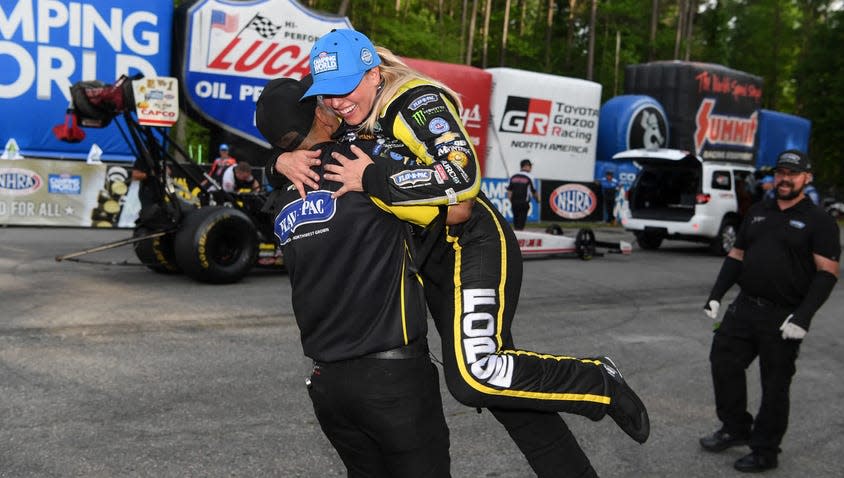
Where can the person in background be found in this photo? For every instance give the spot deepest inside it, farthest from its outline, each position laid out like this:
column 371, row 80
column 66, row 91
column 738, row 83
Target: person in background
column 766, row 188
column 609, row 184
column 786, row 261
column 220, row 165
column 149, row 191
column 520, row 190
column 809, row 190
column 239, row 178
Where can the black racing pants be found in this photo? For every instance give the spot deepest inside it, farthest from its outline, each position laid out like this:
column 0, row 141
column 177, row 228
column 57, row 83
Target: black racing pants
column 751, row 328
column 472, row 283
column 520, row 212
column 383, row 416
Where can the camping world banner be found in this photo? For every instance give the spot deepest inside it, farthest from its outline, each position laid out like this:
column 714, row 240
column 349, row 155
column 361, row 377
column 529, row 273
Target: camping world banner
column 231, row 49
column 46, row 46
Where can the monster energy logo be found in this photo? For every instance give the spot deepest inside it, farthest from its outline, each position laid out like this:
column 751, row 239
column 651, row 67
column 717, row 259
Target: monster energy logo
column 419, row 117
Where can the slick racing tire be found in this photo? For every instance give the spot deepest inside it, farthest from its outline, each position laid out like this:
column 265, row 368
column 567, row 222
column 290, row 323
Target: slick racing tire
column 158, row 253
column 726, row 238
column 217, row 245
column 584, row 244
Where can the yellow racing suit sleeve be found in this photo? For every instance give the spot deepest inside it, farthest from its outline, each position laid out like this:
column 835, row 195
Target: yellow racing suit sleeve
column 446, row 169
column 418, row 215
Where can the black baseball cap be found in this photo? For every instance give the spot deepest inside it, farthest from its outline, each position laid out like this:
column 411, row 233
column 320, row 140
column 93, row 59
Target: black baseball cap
column 281, row 118
column 525, row 162
column 794, row 160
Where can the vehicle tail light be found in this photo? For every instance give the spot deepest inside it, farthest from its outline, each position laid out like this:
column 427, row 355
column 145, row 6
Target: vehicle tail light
column 702, row 198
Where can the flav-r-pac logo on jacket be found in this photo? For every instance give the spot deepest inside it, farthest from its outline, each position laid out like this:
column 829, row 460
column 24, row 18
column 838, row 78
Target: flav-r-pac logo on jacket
column 318, row 206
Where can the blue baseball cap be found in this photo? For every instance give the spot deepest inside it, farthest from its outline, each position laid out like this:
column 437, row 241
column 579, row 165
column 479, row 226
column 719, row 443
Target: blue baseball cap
column 224, row 147
column 338, row 62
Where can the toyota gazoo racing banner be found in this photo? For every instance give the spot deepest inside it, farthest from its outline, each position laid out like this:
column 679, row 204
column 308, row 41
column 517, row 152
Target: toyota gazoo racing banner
column 550, row 120
column 46, row 46
column 231, row 49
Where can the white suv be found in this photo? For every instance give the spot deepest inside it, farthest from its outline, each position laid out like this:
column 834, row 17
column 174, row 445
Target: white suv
column 677, row 195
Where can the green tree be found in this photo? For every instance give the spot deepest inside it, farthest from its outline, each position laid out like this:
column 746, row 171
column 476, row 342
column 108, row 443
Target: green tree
column 821, row 94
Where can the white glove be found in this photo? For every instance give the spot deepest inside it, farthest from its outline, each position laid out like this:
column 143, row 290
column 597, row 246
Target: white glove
column 792, row 331
column 711, row 309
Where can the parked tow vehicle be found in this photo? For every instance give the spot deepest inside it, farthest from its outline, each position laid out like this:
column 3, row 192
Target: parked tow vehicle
column 677, row 195
column 834, row 207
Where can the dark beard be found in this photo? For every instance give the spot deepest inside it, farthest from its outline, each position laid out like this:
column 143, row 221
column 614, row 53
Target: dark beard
column 793, row 194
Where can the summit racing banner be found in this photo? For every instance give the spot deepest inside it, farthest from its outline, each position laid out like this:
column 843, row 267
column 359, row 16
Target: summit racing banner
column 713, row 110
column 47, row 45
column 231, row 49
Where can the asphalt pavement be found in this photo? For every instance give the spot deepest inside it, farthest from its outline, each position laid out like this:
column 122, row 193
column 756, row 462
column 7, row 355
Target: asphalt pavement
column 108, row 369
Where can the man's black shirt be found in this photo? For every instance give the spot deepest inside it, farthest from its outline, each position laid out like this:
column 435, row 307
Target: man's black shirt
column 521, row 187
column 778, row 247
column 355, row 289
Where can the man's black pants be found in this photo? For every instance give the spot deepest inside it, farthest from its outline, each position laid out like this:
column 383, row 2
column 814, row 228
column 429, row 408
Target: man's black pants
column 751, row 328
column 383, row 416
column 520, row 212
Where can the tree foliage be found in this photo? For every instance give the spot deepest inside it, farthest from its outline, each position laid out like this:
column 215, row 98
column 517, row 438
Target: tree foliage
column 791, row 44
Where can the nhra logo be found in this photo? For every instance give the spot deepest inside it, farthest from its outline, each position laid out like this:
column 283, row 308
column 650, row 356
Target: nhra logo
column 64, row 184
column 526, row 115
column 318, row 206
column 16, row 182
column 573, row 201
column 410, row 178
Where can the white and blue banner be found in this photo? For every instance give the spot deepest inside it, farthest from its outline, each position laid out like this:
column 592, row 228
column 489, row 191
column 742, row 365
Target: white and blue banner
column 231, row 49
column 48, row 45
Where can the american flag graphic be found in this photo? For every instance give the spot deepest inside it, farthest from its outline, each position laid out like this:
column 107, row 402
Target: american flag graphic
column 224, row 21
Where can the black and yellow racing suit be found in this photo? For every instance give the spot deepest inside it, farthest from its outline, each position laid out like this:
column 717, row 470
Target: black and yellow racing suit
column 472, row 281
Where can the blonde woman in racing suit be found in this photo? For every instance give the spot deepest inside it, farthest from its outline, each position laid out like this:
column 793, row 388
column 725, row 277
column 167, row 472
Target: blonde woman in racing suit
column 473, row 271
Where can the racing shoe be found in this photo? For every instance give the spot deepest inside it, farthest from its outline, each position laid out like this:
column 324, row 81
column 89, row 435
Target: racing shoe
column 625, row 408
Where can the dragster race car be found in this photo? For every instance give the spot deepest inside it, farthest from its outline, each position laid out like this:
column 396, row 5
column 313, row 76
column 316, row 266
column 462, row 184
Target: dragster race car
column 216, row 239
column 552, row 242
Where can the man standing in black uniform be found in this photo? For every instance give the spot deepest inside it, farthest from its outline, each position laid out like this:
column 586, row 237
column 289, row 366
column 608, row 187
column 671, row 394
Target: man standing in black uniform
column 360, row 308
column 786, row 261
column 520, row 190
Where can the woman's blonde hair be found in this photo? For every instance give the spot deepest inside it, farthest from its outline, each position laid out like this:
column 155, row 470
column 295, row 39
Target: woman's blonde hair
column 394, row 74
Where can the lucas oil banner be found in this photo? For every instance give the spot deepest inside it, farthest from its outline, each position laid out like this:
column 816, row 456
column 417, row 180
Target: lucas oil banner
column 231, row 49
column 48, row 45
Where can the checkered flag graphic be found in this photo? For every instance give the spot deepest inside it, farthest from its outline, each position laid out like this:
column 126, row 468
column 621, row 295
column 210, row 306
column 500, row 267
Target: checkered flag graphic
column 264, row 26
